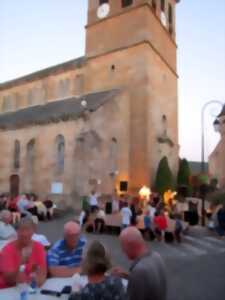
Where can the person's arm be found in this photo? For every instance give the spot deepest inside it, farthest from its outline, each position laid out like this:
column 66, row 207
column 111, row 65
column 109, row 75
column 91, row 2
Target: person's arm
column 119, row 272
column 41, row 273
column 63, row 271
column 8, row 267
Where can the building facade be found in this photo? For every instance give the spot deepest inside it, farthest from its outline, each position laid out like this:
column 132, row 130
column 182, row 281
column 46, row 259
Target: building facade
column 217, row 157
column 104, row 119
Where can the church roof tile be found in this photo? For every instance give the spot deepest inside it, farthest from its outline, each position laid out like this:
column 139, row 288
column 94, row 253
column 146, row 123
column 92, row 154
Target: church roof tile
column 62, row 110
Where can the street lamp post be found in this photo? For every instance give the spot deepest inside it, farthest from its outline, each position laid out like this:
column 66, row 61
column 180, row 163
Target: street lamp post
column 203, row 131
column 203, row 192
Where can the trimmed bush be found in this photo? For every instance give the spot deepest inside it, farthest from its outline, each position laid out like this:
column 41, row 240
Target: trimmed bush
column 164, row 178
column 184, row 173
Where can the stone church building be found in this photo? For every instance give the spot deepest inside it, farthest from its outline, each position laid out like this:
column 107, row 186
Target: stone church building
column 105, row 119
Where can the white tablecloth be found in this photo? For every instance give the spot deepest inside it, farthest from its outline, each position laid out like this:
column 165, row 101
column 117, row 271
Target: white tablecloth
column 54, row 284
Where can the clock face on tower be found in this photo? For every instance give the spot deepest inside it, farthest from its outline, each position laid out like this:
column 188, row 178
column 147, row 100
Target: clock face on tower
column 103, row 11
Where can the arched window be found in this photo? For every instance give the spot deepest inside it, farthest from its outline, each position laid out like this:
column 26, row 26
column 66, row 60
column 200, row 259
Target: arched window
column 63, row 87
column 7, row 104
column 113, row 154
column 30, row 156
column 60, row 153
column 17, row 155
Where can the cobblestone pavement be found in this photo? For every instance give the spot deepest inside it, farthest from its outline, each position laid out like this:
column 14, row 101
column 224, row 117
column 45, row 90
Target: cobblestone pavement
column 196, row 268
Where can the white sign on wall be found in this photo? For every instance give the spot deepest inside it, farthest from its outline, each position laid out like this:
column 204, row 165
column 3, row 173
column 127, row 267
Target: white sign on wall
column 57, row 188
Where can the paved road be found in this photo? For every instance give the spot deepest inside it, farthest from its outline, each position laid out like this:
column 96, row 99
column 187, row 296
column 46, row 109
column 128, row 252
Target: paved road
column 196, row 268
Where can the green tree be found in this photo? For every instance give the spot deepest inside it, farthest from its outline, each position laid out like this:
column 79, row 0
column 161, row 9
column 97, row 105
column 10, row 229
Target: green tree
column 164, row 178
column 184, row 173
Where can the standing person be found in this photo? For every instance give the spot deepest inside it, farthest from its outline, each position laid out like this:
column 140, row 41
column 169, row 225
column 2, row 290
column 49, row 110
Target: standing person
column 148, row 225
column 178, row 227
column 100, row 287
column 23, row 252
column 100, row 221
column 93, row 201
column 221, row 221
column 160, row 223
column 147, row 278
column 133, row 209
column 64, row 258
column 126, row 215
column 151, row 210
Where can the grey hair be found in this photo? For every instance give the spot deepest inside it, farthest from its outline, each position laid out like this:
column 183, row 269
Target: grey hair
column 26, row 221
column 4, row 213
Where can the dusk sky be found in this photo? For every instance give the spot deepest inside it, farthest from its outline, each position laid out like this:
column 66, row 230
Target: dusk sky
column 39, row 34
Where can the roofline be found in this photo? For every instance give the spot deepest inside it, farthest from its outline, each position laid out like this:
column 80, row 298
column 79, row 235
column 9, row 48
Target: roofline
column 70, row 64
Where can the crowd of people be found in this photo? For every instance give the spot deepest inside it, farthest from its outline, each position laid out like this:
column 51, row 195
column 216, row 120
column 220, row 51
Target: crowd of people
column 23, row 259
column 131, row 210
column 27, row 205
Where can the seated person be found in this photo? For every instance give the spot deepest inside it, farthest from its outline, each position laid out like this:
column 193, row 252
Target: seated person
column 50, row 206
column 22, row 252
column 42, row 239
column 24, row 206
column 100, row 286
column 7, row 231
column 64, row 258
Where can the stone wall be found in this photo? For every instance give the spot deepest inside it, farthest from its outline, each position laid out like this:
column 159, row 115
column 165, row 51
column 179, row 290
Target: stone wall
column 76, row 180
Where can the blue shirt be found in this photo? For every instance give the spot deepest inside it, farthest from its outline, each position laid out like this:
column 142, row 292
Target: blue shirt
column 60, row 255
column 147, row 222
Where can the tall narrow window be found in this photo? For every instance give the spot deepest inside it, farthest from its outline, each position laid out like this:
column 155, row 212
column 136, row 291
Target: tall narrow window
column 170, row 17
column 63, row 88
column 126, row 3
column 162, row 5
column 30, row 157
column 60, row 154
column 17, row 155
column 154, row 6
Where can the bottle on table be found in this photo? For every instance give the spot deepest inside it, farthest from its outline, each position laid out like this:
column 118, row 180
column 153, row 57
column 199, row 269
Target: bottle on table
column 33, row 280
column 23, row 285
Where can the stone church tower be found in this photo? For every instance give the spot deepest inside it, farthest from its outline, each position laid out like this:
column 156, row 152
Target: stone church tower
column 133, row 49
column 107, row 118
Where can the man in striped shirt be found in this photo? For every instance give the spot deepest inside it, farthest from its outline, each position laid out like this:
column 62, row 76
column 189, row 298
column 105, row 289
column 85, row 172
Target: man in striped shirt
column 65, row 256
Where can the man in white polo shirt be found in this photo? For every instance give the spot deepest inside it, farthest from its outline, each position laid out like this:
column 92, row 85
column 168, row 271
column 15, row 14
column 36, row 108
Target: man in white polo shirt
column 126, row 215
column 93, row 201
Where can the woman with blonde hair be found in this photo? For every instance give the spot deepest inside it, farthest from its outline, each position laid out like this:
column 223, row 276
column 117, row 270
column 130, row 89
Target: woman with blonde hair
column 100, row 286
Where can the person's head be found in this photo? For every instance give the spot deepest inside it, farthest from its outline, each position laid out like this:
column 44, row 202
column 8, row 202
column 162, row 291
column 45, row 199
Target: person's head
column 25, row 230
column 125, row 204
column 71, row 234
column 97, row 260
column 132, row 243
column 6, row 216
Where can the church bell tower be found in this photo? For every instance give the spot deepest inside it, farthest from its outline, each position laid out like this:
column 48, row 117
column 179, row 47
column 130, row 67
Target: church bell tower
column 132, row 44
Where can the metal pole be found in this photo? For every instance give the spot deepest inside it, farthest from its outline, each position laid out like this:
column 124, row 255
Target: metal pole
column 203, row 131
column 203, row 150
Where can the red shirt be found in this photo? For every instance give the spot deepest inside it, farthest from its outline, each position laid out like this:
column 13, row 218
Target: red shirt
column 10, row 260
column 160, row 222
column 13, row 203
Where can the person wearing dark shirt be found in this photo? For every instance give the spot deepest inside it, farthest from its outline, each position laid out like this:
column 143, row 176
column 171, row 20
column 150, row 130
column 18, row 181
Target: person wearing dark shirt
column 147, row 278
column 100, row 286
